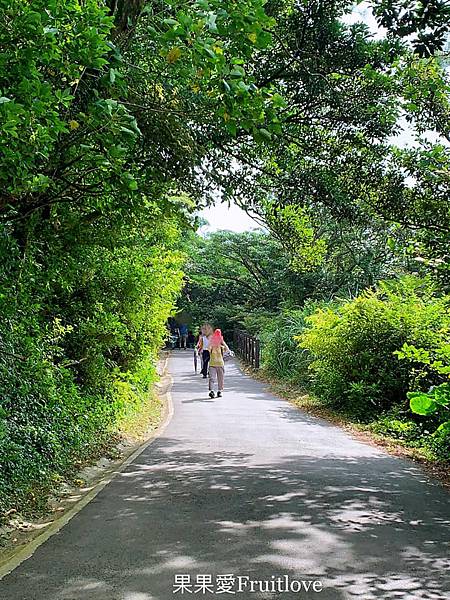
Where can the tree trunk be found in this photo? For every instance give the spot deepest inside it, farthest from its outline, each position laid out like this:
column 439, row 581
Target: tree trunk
column 125, row 13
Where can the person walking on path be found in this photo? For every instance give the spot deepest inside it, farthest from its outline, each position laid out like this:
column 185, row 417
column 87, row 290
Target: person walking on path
column 183, row 335
column 203, row 348
column 197, row 350
column 191, row 339
column 217, row 347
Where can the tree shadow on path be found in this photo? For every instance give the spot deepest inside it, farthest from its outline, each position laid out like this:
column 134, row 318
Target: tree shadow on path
column 364, row 529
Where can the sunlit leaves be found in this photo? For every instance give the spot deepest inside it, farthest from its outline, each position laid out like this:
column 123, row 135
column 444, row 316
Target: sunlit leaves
column 292, row 225
column 39, row 79
column 173, row 55
column 207, row 47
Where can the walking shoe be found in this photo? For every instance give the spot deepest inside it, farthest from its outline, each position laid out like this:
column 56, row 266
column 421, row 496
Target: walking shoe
column 211, row 394
column 219, row 394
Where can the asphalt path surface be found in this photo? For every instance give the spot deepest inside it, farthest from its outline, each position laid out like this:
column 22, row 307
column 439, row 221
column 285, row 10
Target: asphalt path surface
column 247, row 486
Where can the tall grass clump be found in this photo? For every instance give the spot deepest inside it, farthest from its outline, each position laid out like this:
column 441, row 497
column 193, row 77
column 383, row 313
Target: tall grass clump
column 282, row 356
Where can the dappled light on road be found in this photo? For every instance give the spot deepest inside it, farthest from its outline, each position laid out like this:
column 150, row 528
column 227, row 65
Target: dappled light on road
column 249, row 485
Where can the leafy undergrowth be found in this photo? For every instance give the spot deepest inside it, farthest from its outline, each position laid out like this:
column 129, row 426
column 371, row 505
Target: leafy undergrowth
column 33, row 502
column 378, row 362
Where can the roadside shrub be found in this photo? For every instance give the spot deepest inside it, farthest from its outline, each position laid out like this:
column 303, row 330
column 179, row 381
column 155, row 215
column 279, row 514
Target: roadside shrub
column 434, row 403
column 396, row 424
column 416, row 431
column 282, row 357
column 439, row 444
column 258, row 321
column 352, row 346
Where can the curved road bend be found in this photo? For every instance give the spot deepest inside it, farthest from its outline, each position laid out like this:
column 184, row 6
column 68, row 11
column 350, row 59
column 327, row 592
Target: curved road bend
column 247, row 485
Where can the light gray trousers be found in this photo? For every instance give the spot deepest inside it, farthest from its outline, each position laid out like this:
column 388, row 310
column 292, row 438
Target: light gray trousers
column 216, row 374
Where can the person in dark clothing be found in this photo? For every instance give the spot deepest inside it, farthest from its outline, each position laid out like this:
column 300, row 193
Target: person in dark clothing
column 191, row 339
column 203, row 347
column 183, row 335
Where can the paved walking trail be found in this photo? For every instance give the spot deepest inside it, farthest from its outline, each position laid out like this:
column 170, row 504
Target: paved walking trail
column 248, row 485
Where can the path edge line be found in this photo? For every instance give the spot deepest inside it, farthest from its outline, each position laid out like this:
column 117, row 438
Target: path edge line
column 27, row 552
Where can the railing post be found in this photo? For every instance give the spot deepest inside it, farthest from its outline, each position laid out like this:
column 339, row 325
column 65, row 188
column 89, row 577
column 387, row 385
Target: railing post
column 248, row 347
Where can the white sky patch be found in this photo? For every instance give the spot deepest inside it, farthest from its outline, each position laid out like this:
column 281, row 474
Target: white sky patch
column 222, row 216
column 363, row 13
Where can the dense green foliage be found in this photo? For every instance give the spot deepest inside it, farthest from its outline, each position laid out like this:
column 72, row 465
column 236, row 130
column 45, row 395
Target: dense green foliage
column 352, row 347
column 243, row 279
column 335, row 164
column 428, row 21
column 368, row 355
column 118, row 119
column 282, row 356
column 233, row 278
column 81, row 328
column 107, row 112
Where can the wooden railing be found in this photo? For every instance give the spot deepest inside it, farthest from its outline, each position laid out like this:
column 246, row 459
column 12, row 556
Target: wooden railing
column 247, row 347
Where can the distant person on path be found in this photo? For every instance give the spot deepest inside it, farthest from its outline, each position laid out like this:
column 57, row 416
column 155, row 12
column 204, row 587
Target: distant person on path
column 203, row 347
column 198, row 350
column 174, row 336
column 191, row 339
column 183, row 335
column 217, row 347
